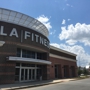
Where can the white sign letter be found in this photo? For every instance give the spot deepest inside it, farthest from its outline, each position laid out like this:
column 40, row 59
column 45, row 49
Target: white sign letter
column 41, row 40
column 36, row 37
column 14, row 32
column 27, row 34
column 1, row 31
column 45, row 42
column 32, row 36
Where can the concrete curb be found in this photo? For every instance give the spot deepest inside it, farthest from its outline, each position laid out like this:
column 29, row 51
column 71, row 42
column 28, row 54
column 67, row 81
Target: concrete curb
column 36, row 85
column 28, row 86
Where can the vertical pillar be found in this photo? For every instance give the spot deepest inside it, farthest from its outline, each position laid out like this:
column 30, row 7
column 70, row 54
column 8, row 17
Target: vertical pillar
column 48, row 72
column 35, row 71
column 45, row 72
column 44, row 75
column 27, row 74
column 20, row 74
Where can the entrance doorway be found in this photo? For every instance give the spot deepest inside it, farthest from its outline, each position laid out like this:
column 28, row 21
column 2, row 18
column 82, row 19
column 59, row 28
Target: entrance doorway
column 29, row 72
column 66, row 71
column 72, row 71
column 56, row 71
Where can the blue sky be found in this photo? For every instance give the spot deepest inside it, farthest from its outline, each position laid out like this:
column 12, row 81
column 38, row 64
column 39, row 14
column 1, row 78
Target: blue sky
column 68, row 22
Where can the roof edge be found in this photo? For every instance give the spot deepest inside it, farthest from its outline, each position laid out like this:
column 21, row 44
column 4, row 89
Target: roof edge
column 45, row 33
column 61, row 50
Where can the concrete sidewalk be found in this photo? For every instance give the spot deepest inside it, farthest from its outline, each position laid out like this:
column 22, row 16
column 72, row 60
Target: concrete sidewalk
column 17, row 86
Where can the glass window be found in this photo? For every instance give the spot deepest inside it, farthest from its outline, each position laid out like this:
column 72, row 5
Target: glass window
column 39, row 55
column 17, row 71
column 32, row 55
column 24, row 64
column 17, row 64
column 28, row 65
column 18, row 52
column 32, row 65
column 40, row 66
column 28, row 54
column 24, row 53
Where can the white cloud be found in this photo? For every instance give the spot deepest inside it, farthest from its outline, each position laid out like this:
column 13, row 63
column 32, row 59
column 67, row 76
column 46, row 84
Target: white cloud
column 63, row 22
column 87, row 66
column 71, row 42
column 69, row 5
column 78, row 33
column 52, row 33
column 55, row 45
column 83, row 58
column 45, row 21
column 69, row 19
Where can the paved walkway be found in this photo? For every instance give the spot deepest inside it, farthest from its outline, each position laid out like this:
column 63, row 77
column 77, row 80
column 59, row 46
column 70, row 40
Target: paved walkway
column 17, row 86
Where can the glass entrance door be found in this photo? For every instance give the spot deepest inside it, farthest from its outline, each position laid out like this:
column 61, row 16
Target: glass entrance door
column 33, row 74
column 28, row 74
column 22, row 74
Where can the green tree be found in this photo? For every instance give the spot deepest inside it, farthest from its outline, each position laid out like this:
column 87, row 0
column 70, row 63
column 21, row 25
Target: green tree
column 85, row 71
column 80, row 71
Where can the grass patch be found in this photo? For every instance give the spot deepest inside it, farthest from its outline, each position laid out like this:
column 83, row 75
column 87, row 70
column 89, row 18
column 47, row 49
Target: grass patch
column 83, row 77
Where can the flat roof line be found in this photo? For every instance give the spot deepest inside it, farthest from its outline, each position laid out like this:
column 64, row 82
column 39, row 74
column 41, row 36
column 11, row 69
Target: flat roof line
column 60, row 50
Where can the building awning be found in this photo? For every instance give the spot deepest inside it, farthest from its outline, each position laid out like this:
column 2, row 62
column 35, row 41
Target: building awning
column 21, row 59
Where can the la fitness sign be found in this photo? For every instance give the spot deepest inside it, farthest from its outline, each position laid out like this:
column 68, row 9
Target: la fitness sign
column 25, row 34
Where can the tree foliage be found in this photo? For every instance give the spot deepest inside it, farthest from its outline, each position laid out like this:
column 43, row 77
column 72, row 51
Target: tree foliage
column 82, row 71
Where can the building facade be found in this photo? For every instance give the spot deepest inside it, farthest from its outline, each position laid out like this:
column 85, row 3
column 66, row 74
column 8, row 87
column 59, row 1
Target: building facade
column 25, row 53
column 63, row 63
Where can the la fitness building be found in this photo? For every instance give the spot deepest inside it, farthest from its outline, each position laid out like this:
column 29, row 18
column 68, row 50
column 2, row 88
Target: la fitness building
column 25, row 53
